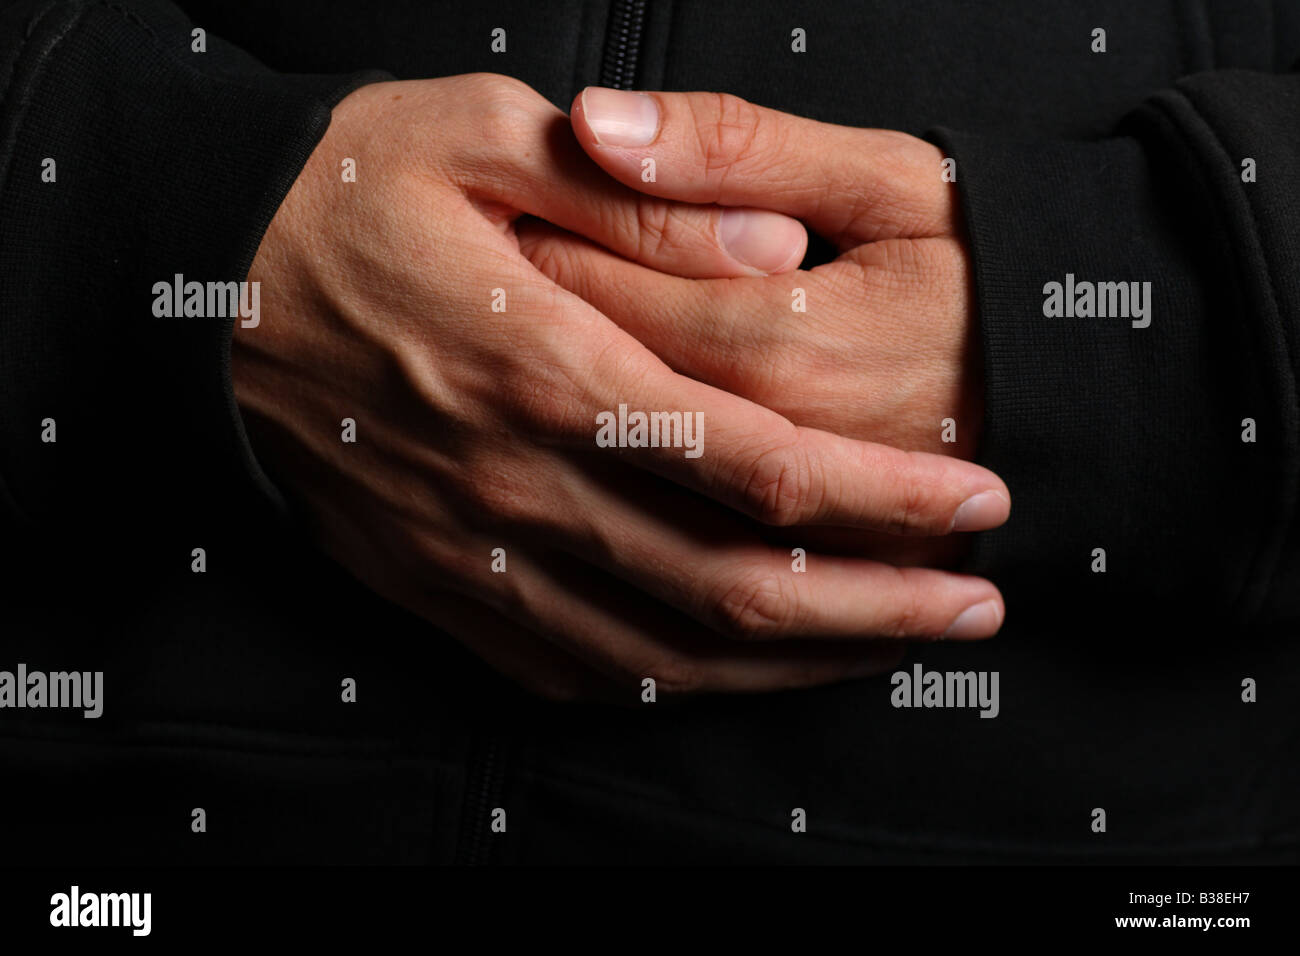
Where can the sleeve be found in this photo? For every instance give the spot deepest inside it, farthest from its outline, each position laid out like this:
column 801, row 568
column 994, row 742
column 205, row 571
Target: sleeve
column 133, row 150
column 1165, row 443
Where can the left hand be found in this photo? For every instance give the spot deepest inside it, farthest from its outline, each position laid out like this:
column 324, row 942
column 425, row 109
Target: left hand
column 886, row 350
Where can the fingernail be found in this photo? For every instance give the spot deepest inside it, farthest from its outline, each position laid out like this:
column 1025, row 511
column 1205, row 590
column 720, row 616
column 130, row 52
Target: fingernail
column 978, row 620
column 620, row 118
column 762, row 240
column 988, row 509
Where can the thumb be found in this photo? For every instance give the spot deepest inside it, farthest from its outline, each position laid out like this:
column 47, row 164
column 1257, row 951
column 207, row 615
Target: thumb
column 851, row 185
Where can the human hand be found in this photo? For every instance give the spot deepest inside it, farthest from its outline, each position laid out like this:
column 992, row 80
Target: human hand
column 886, row 349
column 475, row 429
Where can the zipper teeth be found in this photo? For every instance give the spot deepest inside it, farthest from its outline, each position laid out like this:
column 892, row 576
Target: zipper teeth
column 618, row 71
column 622, row 44
column 478, row 817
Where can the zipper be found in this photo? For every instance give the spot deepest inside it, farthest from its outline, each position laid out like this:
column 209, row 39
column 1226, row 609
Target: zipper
column 481, row 792
column 622, row 44
column 617, row 71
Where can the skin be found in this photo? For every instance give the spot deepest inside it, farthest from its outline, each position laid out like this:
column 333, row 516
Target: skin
column 886, row 350
column 476, row 429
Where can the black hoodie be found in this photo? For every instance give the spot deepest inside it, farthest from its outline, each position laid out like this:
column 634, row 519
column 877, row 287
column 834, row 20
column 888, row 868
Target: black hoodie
column 1162, row 691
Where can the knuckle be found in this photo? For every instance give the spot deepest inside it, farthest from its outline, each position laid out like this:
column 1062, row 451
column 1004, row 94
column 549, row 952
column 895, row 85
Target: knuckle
column 490, row 86
column 896, row 259
column 917, row 504
column 778, row 487
column 505, row 110
column 757, row 606
column 909, row 509
column 501, row 500
column 551, row 258
column 674, row 674
column 654, row 225
column 727, row 131
column 947, row 272
column 907, row 265
column 907, row 615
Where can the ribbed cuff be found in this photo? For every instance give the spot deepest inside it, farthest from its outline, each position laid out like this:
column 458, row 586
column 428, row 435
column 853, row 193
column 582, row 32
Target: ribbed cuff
column 1111, row 437
column 167, row 161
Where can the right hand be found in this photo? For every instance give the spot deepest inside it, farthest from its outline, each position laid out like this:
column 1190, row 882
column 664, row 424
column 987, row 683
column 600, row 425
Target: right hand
column 475, row 429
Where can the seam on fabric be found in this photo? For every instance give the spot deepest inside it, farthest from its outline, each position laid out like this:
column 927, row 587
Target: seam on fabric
column 38, row 74
column 928, row 842
column 1291, row 469
column 9, row 146
column 1267, row 557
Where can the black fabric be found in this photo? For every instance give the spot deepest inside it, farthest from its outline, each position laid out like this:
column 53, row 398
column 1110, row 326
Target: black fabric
column 1119, row 690
column 1134, row 412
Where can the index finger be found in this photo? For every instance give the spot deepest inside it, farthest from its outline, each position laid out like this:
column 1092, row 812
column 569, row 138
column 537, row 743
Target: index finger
column 758, row 462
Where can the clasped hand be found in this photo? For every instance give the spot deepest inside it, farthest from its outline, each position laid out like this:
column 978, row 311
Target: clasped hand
column 499, row 275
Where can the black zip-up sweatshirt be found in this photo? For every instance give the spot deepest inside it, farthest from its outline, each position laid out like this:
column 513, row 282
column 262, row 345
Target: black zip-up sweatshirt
column 1164, row 691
